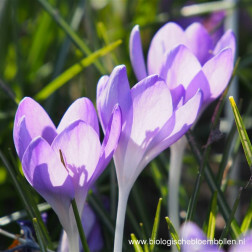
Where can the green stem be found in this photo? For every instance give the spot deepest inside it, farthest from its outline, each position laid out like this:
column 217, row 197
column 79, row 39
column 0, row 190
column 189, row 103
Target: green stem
column 79, row 225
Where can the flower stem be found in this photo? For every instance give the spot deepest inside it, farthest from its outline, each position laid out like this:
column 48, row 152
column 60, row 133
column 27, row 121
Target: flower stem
column 79, row 225
column 177, row 151
column 120, row 219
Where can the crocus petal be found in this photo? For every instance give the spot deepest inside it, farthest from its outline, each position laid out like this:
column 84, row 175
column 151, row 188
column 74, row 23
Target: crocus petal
column 199, row 41
column 80, row 147
column 44, row 171
column 110, row 142
column 198, row 82
column 152, row 107
column 178, row 96
column 218, row 71
column 82, row 109
column 243, row 243
column 166, row 38
column 35, row 125
column 192, row 233
column 180, row 67
column 136, row 54
column 175, row 128
column 226, row 41
column 113, row 90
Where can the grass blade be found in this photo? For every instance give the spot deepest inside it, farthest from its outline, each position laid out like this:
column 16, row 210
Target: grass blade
column 247, row 220
column 246, row 144
column 69, row 31
column 136, row 245
column 40, row 239
column 212, row 183
column 173, row 232
column 155, row 225
column 212, row 217
column 144, row 237
column 26, row 197
column 74, row 70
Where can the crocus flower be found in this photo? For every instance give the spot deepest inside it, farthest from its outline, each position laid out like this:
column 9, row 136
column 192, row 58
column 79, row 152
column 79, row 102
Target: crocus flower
column 194, row 240
column 150, row 124
column 61, row 164
column 207, row 66
column 92, row 231
column 187, row 60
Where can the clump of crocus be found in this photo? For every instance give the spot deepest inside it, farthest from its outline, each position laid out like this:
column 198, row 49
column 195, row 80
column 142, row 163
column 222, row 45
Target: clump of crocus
column 62, row 163
column 187, row 60
column 193, row 240
column 150, row 124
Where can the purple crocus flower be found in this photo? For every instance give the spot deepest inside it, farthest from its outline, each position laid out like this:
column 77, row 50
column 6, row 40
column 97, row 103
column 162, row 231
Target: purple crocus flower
column 62, row 164
column 207, row 66
column 151, row 122
column 187, row 60
column 194, row 240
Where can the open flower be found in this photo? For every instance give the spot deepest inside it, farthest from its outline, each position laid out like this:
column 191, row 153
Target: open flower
column 150, row 124
column 62, row 164
column 188, row 58
column 194, row 240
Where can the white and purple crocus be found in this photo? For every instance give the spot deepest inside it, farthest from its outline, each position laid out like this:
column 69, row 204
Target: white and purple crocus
column 62, row 163
column 187, row 60
column 151, row 121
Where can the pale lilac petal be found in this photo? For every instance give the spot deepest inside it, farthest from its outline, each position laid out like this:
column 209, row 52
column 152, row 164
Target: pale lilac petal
column 243, row 243
column 113, row 90
column 136, row 54
column 218, row 71
column 80, row 146
column 198, row 82
column 82, row 109
column 44, row 171
column 167, row 37
column 180, row 67
column 194, row 235
column 228, row 40
column 199, row 41
column 152, row 107
column 175, row 127
column 110, row 142
column 38, row 123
